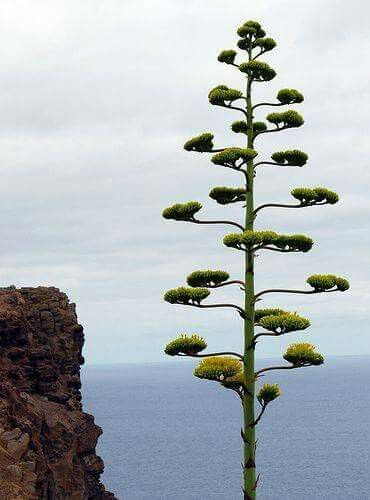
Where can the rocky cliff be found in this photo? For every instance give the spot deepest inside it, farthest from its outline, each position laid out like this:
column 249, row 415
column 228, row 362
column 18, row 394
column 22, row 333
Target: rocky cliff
column 47, row 443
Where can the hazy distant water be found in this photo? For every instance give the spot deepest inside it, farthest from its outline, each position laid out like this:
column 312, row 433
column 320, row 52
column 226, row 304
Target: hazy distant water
column 170, row 436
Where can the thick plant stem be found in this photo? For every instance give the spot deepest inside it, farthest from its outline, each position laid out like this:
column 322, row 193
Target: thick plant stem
column 249, row 396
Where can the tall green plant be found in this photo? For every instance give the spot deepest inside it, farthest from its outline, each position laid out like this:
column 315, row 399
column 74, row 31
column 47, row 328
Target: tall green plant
column 236, row 371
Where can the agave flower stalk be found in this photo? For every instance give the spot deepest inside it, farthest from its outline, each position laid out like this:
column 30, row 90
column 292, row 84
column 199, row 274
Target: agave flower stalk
column 232, row 370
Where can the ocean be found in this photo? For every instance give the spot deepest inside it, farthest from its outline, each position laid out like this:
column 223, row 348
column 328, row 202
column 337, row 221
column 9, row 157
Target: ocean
column 170, row 436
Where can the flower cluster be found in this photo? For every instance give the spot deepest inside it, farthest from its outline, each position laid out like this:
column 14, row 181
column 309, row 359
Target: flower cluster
column 225, row 195
column 259, row 127
column 206, row 278
column 292, row 157
column 201, row 143
column 286, row 119
column 315, row 195
column 294, row 243
column 240, row 127
column 265, row 44
column 261, row 313
column 183, row 295
column 268, row 393
column 258, row 70
column 234, row 382
column 252, row 240
column 227, row 56
column 303, row 354
column 324, row 282
column 218, row 368
column 234, row 157
column 251, row 29
column 223, row 96
column 284, row 323
column 289, row 96
column 182, row 211
column 185, row 344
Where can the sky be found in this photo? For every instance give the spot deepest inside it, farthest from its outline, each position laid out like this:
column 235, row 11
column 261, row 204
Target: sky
column 97, row 99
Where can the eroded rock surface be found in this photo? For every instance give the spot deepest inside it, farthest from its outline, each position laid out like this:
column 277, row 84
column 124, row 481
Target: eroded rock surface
column 47, row 443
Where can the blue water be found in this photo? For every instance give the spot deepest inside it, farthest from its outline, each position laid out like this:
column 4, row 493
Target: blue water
column 170, row 436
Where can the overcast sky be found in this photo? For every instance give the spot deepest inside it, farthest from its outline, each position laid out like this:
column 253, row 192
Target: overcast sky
column 96, row 101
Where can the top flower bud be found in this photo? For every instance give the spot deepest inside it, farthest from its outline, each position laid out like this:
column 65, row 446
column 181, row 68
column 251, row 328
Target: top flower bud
column 251, row 28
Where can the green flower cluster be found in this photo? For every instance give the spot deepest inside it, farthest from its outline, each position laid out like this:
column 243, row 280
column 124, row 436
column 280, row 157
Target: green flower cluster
column 303, row 354
column 225, row 195
column 268, row 393
column 252, row 240
column 223, row 96
column 292, row 157
column 315, row 195
column 244, row 44
column 294, row 243
column 234, row 382
column 182, row 211
column 233, row 157
column 289, row 96
column 218, row 368
column 284, row 323
column 323, row 282
column 259, row 127
column 261, row 313
column 183, row 295
column 227, row 56
column 251, row 29
column 207, row 278
column 324, row 194
column 185, row 344
column 201, row 143
column 266, row 44
column 286, row 119
column 258, row 70
column 240, row 127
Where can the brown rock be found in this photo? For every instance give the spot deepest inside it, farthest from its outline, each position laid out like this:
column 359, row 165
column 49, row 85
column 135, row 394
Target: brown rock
column 17, row 447
column 47, row 443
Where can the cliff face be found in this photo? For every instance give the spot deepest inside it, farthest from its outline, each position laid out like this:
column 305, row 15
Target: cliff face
column 47, row 444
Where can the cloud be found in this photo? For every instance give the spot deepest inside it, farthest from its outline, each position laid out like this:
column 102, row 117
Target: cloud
column 97, row 99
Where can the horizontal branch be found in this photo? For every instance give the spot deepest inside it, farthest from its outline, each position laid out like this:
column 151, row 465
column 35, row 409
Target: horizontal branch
column 237, row 109
column 259, row 80
column 226, row 283
column 268, row 104
column 209, row 306
column 284, row 290
column 274, row 164
column 277, row 249
column 257, row 248
column 211, row 355
column 266, row 163
column 277, row 129
column 230, row 223
column 265, row 334
column 283, row 205
column 289, row 367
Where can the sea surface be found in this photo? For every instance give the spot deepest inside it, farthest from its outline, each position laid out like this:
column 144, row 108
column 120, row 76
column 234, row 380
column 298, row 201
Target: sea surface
column 170, row 436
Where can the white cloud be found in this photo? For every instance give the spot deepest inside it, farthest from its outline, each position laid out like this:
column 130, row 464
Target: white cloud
column 97, row 99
